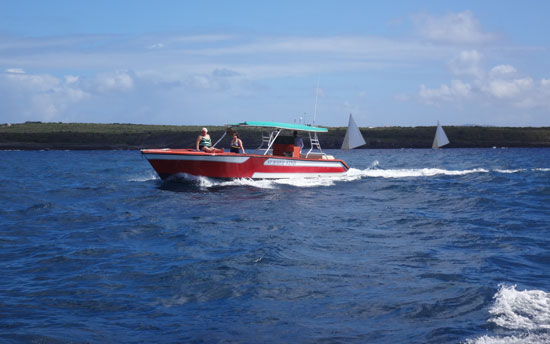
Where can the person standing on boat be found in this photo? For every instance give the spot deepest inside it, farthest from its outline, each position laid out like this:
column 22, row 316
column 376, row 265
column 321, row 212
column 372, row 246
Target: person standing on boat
column 298, row 142
column 237, row 144
column 204, row 143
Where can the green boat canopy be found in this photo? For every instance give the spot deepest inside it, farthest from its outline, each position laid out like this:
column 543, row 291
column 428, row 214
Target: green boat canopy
column 288, row 126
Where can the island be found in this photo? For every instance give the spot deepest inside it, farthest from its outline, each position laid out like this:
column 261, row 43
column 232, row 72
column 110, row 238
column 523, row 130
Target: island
column 120, row 136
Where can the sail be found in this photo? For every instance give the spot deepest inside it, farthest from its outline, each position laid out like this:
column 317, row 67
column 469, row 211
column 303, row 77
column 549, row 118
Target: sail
column 440, row 138
column 353, row 136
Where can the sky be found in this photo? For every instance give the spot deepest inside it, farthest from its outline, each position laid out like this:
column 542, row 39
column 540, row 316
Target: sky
column 392, row 63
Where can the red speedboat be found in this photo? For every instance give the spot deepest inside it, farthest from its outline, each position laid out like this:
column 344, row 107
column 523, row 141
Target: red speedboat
column 276, row 157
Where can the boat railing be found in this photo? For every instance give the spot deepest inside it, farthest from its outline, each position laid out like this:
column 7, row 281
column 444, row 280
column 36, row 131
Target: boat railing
column 270, row 136
column 314, row 144
column 268, row 140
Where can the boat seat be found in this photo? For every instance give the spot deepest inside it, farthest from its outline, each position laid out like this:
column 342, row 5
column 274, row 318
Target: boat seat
column 289, row 150
column 317, row 156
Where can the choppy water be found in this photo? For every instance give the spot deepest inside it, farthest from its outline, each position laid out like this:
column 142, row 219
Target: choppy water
column 411, row 246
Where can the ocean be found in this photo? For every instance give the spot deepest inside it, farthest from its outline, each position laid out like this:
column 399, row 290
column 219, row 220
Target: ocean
column 410, row 246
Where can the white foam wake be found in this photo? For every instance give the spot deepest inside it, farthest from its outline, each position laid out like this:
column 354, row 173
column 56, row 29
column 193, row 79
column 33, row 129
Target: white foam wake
column 526, row 314
column 406, row 173
column 510, row 171
column 351, row 175
column 204, row 182
column 521, row 310
column 150, row 176
column 528, row 338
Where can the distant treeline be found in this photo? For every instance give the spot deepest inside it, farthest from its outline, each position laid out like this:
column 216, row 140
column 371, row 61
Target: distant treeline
column 37, row 135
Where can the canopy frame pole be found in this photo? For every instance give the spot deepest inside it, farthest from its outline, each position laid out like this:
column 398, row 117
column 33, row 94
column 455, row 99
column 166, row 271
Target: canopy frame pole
column 272, row 139
column 224, row 133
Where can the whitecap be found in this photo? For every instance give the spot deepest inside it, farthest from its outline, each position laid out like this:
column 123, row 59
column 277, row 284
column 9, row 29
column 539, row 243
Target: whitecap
column 149, row 177
column 521, row 310
column 273, row 183
column 202, row 182
column 509, row 171
column 205, row 182
column 528, row 338
column 406, row 173
column 308, row 182
column 352, row 174
column 524, row 314
column 257, row 183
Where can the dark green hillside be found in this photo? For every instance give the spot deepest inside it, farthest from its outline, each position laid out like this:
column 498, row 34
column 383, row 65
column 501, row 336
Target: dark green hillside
column 36, row 135
column 460, row 137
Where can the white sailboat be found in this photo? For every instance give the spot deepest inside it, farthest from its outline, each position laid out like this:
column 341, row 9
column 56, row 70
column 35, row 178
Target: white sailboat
column 440, row 138
column 353, row 136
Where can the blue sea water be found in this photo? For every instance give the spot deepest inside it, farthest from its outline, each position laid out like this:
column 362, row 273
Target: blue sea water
column 410, row 246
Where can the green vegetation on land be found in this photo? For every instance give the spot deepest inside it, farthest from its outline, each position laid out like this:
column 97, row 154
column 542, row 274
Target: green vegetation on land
column 37, row 135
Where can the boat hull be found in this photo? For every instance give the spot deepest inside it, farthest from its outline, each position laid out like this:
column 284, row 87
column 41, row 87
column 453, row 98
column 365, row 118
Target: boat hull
column 170, row 162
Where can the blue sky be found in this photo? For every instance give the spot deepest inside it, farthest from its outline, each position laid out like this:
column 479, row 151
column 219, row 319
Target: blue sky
column 403, row 63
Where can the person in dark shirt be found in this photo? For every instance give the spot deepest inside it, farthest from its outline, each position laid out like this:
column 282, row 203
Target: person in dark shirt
column 298, row 142
column 237, row 144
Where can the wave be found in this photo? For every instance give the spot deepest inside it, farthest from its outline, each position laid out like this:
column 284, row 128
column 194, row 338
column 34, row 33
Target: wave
column 522, row 170
column 525, row 314
column 353, row 174
column 205, row 182
column 510, row 171
column 521, row 310
column 426, row 172
column 528, row 338
column 151, row 176
column 406, row 173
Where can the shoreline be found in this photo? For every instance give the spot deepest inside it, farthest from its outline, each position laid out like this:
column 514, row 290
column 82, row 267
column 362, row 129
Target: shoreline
column 90, row 136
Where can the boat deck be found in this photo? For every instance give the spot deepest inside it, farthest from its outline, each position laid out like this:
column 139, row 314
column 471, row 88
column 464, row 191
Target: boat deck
column 187, row 151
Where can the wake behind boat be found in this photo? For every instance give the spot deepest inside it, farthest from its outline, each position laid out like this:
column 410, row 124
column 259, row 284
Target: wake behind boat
column 276, row 157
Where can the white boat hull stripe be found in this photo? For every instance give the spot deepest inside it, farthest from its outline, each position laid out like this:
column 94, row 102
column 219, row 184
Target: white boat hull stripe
column 302, row 163
column 219, row 158
column 262, row 175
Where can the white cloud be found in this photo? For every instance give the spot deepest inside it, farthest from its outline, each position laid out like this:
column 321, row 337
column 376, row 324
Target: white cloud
column 15, row 71
column 33, row 82
column 119, row 81
column 502, row 70
column 41, row 96
column 156, row 46
column 457, row 90
column 71, row 79
column 272, row 56
column 501, row 88
column 505, row 85
column 402, row 97
column 459, row 27
column 224, row 73
column 468, row 62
